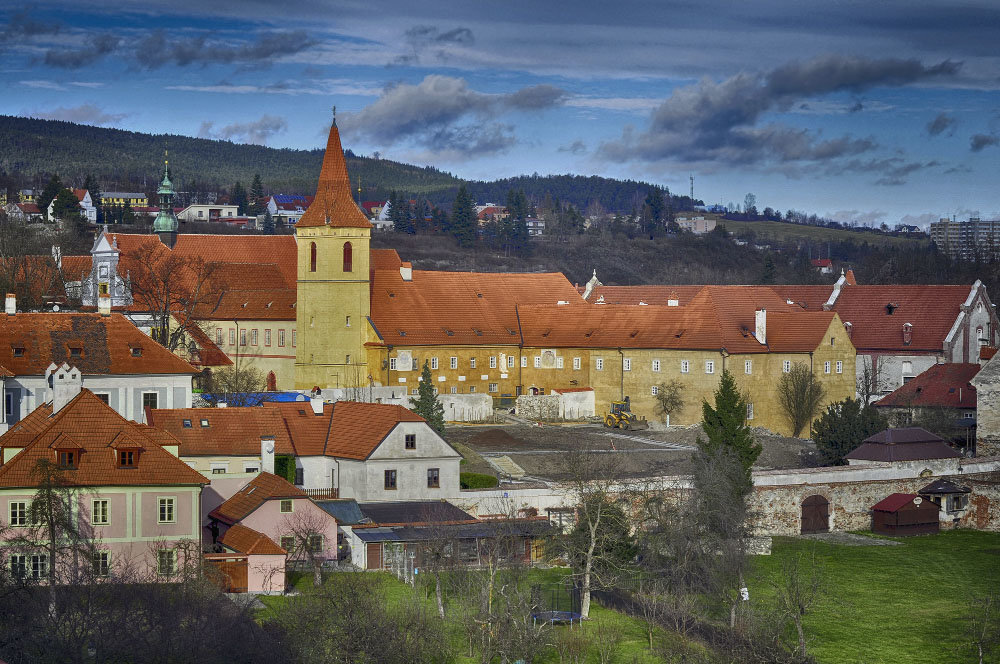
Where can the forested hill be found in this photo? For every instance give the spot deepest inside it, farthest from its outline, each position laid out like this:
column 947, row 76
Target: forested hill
column 31, row 150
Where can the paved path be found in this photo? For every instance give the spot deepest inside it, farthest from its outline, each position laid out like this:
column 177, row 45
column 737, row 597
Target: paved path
column 851, row 539
column 650, row 441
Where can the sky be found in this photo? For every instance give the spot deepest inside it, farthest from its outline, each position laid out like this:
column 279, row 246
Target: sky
column 860, row 111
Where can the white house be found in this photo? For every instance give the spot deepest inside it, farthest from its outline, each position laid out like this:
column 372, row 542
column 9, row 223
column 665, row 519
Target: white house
column 121, row 365
column 206, row 212
column 287, row 210
column 87, row 208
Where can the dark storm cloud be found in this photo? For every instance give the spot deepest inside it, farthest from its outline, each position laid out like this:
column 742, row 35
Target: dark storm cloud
column 942, row 123
column 95, row 47
column 22, row 25
column 437, row 112
column 720, row 121
column 157, row 49
column 257, row 132
column 83, row 114
column 423, row 39
column 576, row 147
column 980, row 142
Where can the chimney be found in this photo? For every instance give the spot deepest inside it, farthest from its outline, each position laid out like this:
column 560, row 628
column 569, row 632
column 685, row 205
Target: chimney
column 104, row 304
column 907, row 333
column 267, row 454
column 849, row 328
column 10, row 306
column 316, row 401
column 760, row 318
column 66, row 383
column 406, row 271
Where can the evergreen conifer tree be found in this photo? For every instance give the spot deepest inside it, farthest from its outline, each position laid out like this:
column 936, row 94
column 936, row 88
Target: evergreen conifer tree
column 267, row 225
column 51, row 190
column 239, row 198
column 427, row 405
column 463, row 219
column 843, row 427
column 256, row 194
column 725, row 426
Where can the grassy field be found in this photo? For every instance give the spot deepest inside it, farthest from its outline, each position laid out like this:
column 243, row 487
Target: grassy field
column 892, row 604
column 782, row 232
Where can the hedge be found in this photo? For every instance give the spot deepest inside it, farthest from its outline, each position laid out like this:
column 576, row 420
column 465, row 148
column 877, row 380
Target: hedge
column 477, row 481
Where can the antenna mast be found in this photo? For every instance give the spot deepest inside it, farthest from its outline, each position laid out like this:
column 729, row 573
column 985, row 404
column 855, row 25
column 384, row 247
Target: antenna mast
column 692, row 186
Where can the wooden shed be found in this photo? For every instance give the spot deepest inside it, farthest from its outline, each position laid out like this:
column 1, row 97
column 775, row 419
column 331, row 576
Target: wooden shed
column 903, row 514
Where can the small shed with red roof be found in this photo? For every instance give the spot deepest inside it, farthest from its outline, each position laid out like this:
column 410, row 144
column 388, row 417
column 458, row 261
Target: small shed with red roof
column 903, row 514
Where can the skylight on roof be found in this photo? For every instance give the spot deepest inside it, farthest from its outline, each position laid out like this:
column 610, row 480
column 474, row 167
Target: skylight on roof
column 186, row 424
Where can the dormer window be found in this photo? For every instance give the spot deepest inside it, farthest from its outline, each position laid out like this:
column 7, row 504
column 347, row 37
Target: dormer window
column 204, row 424
column 68, row 459
column 136, row 351
column 127, row 458
column 18, row 351
column 76, row 351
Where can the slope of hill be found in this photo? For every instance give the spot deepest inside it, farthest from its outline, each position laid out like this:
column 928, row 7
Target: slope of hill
column 31, row 150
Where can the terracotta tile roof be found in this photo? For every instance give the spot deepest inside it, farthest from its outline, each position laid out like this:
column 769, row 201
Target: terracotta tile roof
column 821, row 262
column 248, row 541
column 230, row 431
column 75, row 267
column 29, row 208
column 249, row 276
column 339, row 431
column 105, row 345
column 275, row 304
column 893, row 502
column 932, row 310
column 97, row 430
column 385, row 259
column 987, row 352
column 810, row 298
column 459, row 307
column 797, row 332
column 208, row 354
column 334, row 204
column 942, row 386
column 259, row 490
column 25, row 430
column 80, row 194
column 645, row 294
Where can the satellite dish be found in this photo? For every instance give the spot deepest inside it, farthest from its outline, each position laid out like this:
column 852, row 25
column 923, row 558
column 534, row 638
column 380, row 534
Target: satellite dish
column 55, row 307
column 269, row 448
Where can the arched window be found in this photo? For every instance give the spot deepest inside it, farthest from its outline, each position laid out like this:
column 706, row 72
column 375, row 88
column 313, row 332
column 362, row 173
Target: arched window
column 348, row 257
column 312, row 256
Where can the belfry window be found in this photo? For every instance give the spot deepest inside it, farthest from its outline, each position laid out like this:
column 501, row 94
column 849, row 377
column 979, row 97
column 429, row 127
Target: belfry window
column 348, row 257
column 312, row 256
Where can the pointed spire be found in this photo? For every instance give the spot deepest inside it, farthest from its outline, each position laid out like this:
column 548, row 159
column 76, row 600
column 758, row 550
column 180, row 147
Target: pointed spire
column 334, row 204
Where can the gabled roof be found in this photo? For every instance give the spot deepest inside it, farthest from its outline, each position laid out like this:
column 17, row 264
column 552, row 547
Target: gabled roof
column 272, row 304
column 249, row 276
column 941, row 386
column 334, row 205
column 248, row 541
column 422, row 512
column 894, row 502
column 105, row 344
column 821, row 262
column 98, row 431
column 209, row 354
column 258, row 491
column 345, row 510
column 810, row 298
column 943, row 486
column 229, row 431
column 458, row 308
column 905, row 444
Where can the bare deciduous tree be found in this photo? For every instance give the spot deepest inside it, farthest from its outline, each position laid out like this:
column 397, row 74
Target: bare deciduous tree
column 796, row 590
column 800, row 396
column 305, row 528
column 871, row 382
column 235, row 385
column 982, row 627
column 669, row 399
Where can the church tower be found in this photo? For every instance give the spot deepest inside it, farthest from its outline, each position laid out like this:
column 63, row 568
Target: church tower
column 165, row 224
column 333, row 301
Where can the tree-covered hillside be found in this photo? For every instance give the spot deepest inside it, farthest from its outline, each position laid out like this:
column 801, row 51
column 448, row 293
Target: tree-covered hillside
column 32, row 150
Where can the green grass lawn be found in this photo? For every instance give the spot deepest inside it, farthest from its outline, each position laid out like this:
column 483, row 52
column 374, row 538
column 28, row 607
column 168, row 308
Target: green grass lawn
column 891, row 604
column 780, row 231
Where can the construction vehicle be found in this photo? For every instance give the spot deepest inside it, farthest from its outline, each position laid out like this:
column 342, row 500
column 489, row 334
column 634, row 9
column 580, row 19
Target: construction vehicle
column 622, row 417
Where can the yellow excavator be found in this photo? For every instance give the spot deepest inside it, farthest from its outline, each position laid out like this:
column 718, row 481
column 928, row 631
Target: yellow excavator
column 622, row 417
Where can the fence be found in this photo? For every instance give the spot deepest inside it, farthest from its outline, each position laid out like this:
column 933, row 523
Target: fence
column 323, row 494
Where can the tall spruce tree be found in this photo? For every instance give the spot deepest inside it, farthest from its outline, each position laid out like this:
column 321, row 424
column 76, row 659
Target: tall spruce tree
column 463, row 219
column 725, row 426
column 51, row 190
column 239, row 198
column 427, row 405
column 267, row 225
column 256, row 194
column 843, row 427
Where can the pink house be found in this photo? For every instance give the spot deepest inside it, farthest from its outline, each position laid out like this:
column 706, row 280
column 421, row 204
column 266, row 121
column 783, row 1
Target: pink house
column 253, row 530
column 132, row 498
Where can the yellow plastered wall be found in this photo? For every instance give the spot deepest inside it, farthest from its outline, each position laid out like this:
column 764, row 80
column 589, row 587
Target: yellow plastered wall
column 278, row 356
column 394, row 371
column 331, row 308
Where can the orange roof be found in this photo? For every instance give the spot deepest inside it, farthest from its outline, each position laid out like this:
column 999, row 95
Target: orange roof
column 25, row 430
column 105, row 345
column 79, row 193
column 259, row 490
column 797, row 332
column 346, row 429
column 941, row 386
column 75, row 267
column 227, row 431
column 277, row 304
column 334, row 205
column 245, row 540
column 97, row 430
column 644, row 294
column 811, row 298
column 460, row 307
column 208, row 353
column 385, row 259
column 258, row 276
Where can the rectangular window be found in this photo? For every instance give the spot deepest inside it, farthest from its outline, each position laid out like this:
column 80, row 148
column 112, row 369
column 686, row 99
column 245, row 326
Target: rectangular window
column 281, row 338
column 286, row 507
column 300, row 478
column 166, row 511
column 434, row 364
column 39, row 566
column 656, row 365
column 218, row 336
column 253, row 337
column 150, row 400
column 840, row 366
column 685, row 366
column 709, row 367
column 293, row 338
column 493, row 362
column 288, row 543
column 826, row 367
column 599, row 364
column 19, row 565
column 18, row 514
column 750, row 411
column 67, row 460
column 126, row 459
column 472, row 389
column 411, row 441
column 219, row 470
column 166, row 562
column 510, row 361
column 315, row 543
column 576, row 363
column 232, row 337
column 472, row 363
column 538, row 361
column 390, row 480
column 392, row 364
column 347, row 321
column 454, row 389
column 786, row 366
column 494, row 387
column 627, row 364
column 433, row 478
column 655, row 390
column 748, row 367
column 101, row 514
column 267, row 336
column 243, row 337
column 102, row 563
column 524, row 360
column 453, row 362
column 105, row 397
column 559, row 363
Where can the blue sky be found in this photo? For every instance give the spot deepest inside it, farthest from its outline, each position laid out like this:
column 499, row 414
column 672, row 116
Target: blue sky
column 857, row 110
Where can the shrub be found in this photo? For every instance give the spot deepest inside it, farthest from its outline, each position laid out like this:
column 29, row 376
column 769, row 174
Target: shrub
column 477, row 481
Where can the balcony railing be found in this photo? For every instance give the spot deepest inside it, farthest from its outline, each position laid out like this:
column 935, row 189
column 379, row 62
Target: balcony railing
column 323, row 494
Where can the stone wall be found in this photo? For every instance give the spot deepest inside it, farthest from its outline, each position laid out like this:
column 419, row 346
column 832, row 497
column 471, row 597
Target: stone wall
column 544, row 408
